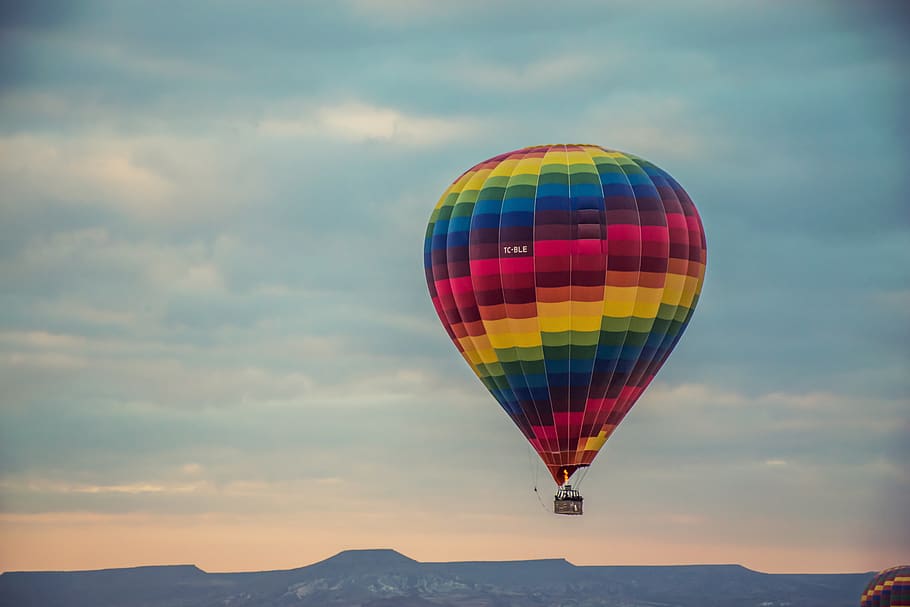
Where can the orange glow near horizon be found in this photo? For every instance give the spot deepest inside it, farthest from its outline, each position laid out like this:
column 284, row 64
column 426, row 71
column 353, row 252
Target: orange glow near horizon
column 221, row 543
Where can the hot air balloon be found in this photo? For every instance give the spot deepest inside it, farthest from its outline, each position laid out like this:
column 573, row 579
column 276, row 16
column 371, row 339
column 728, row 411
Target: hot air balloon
column 565, row 275
column 890, row 588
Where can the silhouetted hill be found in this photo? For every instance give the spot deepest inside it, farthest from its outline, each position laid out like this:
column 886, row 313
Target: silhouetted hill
column 386, row 578
column 351, row 561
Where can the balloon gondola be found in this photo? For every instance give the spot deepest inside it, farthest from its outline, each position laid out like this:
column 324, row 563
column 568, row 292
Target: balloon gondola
column 565, row 275
column 568, row 501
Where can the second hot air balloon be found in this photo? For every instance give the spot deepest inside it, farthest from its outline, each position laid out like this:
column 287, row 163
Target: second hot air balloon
column 565, row 275
column 890, row 588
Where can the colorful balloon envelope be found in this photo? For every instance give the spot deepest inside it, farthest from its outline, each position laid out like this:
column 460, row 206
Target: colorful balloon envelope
column 565, row 275
column 890, row 588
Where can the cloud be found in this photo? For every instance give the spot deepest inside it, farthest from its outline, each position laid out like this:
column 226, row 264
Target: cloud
column 401, row 12
column 111, row 259
column 157, row 178
column 254, row 364
column 39, row 486
column 361, row 122
column 126, row 58
column 783, row 417
column 192, row 469
column 657, row 128
column 58, row 172
column 539, row 74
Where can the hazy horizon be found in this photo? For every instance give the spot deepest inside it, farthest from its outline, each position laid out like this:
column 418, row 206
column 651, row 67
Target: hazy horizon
column 216, row 342
column 398, row 552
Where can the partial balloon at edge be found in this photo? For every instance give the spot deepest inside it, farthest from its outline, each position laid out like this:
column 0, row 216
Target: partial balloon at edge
column 890, row 588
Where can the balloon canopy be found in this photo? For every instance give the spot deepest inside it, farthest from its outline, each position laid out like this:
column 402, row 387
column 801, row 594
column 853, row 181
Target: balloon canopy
column 565, row 275
column 890, row 588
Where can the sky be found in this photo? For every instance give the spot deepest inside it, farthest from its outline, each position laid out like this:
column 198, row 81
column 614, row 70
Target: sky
column 216, row 342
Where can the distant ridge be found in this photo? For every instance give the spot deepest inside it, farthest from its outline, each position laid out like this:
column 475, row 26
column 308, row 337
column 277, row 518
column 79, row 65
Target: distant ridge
column 387, row 578
column 374, row 556
column 358, row 561
column 147, row 569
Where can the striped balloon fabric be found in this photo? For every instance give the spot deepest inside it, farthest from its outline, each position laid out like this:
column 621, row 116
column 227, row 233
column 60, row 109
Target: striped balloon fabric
column 890, row 588
column 565, row 275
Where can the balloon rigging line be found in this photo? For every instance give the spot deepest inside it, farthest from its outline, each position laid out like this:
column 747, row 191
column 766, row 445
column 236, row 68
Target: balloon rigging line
column 582, row 475
column 535, row 471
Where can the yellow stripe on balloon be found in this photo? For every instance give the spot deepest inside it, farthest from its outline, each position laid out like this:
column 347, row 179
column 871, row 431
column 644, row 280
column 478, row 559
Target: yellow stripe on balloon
column 505, row 168
column 550, row 323
column 673, row 289
column 508, row 326
column 596, row 442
